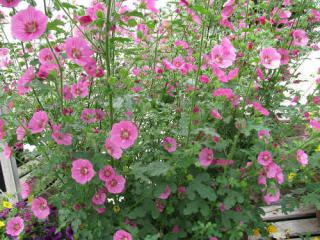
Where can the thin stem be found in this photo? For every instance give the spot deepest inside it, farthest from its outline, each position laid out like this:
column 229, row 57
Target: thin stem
column 193, row 101
column 60, row 72
column 107, row 59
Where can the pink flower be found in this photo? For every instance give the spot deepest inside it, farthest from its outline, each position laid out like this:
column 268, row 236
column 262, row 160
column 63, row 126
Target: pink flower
column 300, row 38
column 206, row 157
column 183, row 44
column 274, row 171
column 302, row 157
column 15, row 226
column 91, row 67
column 270, row 58
column 9, row 3
column 67, row 95
column 115, row 184
column 265, row 158
column 223, row 55
column 151, row 5
column 46, row 56
column 227, row 92
column 270, row 198
column 28, row 24
column 213, row 238
column 169, row 144
column 88, row 115
column 99, row 198
column 26, row 78
column 20, row 132
column 124, row 134
column 80, row 89
column 78, row 50
column 38, row 122
column 257, row 106
column 166, row 193
column 7, row 151
column 215, row 114
column 82, row 171
column 113, row 149
column 284, row 56
column 25, row 191
column 122, row 235
column 204, row 79
column 106, row 173
column 262, row 180
column 85, row 20
column 59, row 137
column 263, row 134
column 315, row 124
column 40, row 208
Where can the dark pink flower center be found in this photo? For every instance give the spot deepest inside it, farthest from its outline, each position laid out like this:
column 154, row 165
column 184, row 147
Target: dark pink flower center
column 16, row 227
column 76, row 53
column 124, row 134
column 107, row 173
column 114, row 183
column 267, row 59
column 42, row 206
column 84, row 171
column 31, row 27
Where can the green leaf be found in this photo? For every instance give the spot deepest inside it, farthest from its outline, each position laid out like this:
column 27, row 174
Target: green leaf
column 54, row 26
column 132, row 22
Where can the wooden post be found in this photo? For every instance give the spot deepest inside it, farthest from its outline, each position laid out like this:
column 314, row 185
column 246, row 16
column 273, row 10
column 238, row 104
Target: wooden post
column 11, row 176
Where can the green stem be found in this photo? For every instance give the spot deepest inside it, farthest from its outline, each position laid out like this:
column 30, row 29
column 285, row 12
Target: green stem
column 107, row 59
column 193, row 101
column 60, row 71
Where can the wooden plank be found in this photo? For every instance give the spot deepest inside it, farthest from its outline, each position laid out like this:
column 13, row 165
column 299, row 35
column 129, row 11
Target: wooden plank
column 296, row 228
column 274, row 213
column 10, row 175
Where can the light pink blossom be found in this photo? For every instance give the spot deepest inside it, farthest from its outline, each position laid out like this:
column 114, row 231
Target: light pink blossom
column 300, row 38
column 265, row 158
column 122, row 235
column 106, row 173
column 302, row 157
column 206, row 157
column 124, row 134
column 78, row 50
column 9, row 3
column 15, row 226
column 115, row 184
column 99, row 197
column 113, row 149
column 28, row 24
column 38, row 122
column 40, row 208
column 166, row 193
column 270, row 58
column 82, row 171
column 169, row 144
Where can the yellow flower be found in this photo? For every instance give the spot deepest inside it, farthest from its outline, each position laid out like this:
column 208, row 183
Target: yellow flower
column 291, row 176
column 30, row 199
column 316, row 238
column 318, row 148
column 116, row 209
column 272, row 229
column 256, row 232
column 2, row 224
column 6, row 204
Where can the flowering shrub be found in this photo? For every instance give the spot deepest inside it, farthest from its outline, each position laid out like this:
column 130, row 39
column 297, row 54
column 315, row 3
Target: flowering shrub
column 156, row 123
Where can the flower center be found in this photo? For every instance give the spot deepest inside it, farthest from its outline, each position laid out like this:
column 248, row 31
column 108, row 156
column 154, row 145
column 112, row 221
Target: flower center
column 43, row 206
column 110, row 151
column 76, row 53
column 84, row 171
column 125, row 134
column 113, row 183
column 16, row 227
column 31, row 27
column 107, row 173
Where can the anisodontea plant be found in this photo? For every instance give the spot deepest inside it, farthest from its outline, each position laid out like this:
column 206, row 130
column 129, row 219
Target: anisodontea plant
column 157, row 120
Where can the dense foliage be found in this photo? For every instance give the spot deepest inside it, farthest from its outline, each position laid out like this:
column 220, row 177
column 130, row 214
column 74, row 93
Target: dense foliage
column 148, row 123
